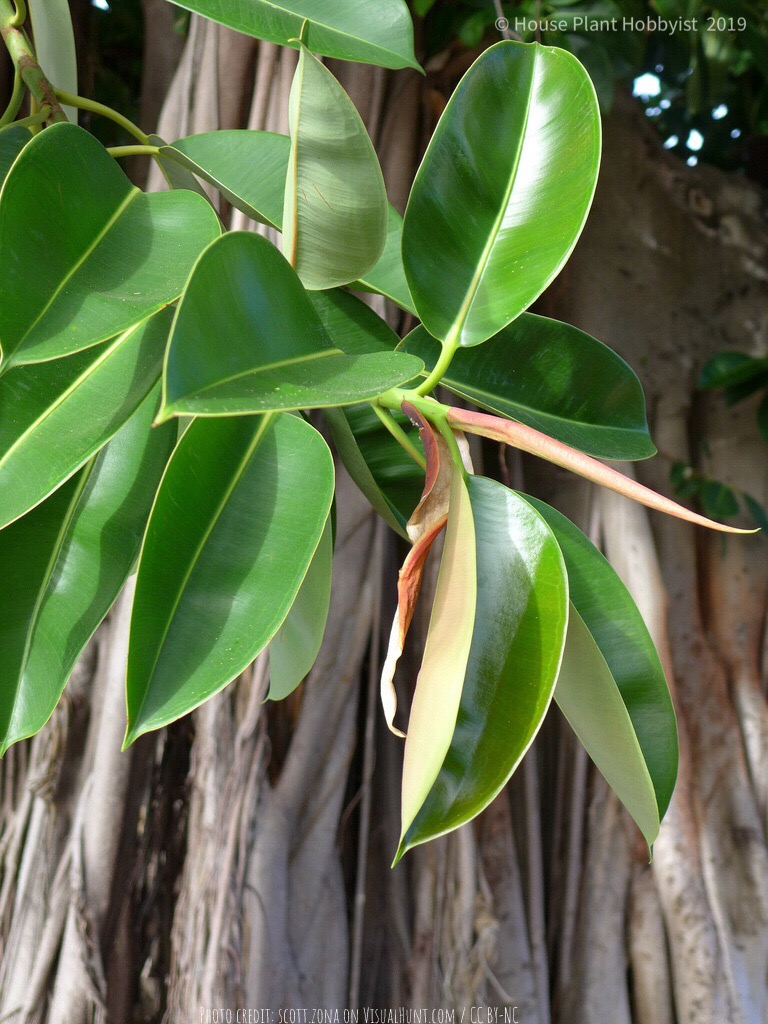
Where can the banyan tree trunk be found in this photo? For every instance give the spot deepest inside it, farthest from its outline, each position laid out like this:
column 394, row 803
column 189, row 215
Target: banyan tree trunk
column 239, row 859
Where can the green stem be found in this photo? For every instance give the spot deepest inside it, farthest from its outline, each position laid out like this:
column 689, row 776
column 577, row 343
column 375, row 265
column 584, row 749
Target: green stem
column 118, row 151
column 20, row 16
column 440, row 368
column 25, row 62
column 399, row 435
column 29, row 122
column 70, row 100
column 15, row 101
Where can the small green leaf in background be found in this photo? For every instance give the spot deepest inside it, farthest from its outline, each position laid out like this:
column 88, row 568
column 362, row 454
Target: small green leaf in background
column 295, row 646
column 246, row 339
column 487, row 228
column 439, row 684
column 235, row 524
column 589, row 698
column 54, row 39
column 64, row 564
column 12, row 140
column 736, row 374
column 54, row 416
column 379, row 33
column 554, row 378
column 618, row 629
column 517, row 643
column 113, row 255
column 335, row 209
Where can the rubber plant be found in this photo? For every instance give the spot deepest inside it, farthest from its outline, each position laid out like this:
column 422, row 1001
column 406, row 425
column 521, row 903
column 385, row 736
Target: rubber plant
column 159, row 379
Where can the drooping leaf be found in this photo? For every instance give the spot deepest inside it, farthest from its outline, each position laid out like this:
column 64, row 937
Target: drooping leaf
column 54, row 416
column 618, row 629
column 489, row 226
column 517, row 643
column 249, row 168
column 589, row 698
column 295, row 646
column 535, row 443
column 54, row 38
column 12, row 140
column 176, row 172
column 352, row 325
column 439, row 684
column 381, row 468
column 105, row 255
column 379, row 33
column 554, row 378
column 236, row 521
column 335, row 208
column 246, row 339
column 63, row 565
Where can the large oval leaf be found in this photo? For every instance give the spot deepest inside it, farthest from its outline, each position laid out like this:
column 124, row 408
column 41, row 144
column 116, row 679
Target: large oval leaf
column 438, row 688
column 12, row 140
column 517, row 644
column 556, row 379
column 54, row 38
column 91, row 254
column 379, row 33
column 249, row 168
column 63, row 565
column 335, row 209
column 247, row 339
column 236, row 521
column 489, row 226
column 612, row 617
column 589, row 698
column 55, row 415
column 294, row 648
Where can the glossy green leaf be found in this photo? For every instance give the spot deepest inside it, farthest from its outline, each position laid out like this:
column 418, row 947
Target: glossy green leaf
column 105, row 255
column 247, row 339
column 55, row 415
column 556, row 379
column 589, row 698
column 517, row 643
column 295, row 647
column 439, row 684
column 612, row 617
column 63, row 565
column 335, row 208
column 489, row 226
column 176, row 172
column 351, row 324
column 12, row 140
column 379, row 33
column 249, row 168
column 237, row 518
column 385, row 473
column 54, row 38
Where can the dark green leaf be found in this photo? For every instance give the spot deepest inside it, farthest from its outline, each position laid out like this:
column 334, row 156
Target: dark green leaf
column 55, row 415
column 489, row 226
column 238, row 516
column 64, row 563
column 718, row 499
column 762, row 418
column 12, row 140
column 554, row 378
column 105, row 255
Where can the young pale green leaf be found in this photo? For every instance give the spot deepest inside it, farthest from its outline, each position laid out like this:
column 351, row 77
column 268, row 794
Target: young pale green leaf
column 249, row 168
column 517, row 644
column 535, row 443
column 438, row 688
column 105, row 256
column 335, row 208
column 246, row 339
column 236, row 521
column 556, row 379
column 385, row 473
column 295, row 646
column 589, row 698
column 379, row 33
column 489, row 226
column 12, row 140
column 63, row 565
column 54, row 38
column 55, row 415
column 612, row 617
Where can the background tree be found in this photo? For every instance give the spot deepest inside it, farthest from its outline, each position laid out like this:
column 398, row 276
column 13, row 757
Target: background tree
column 209, row 865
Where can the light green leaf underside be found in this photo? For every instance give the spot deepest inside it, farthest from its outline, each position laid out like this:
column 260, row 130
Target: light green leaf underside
column 54, row 39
